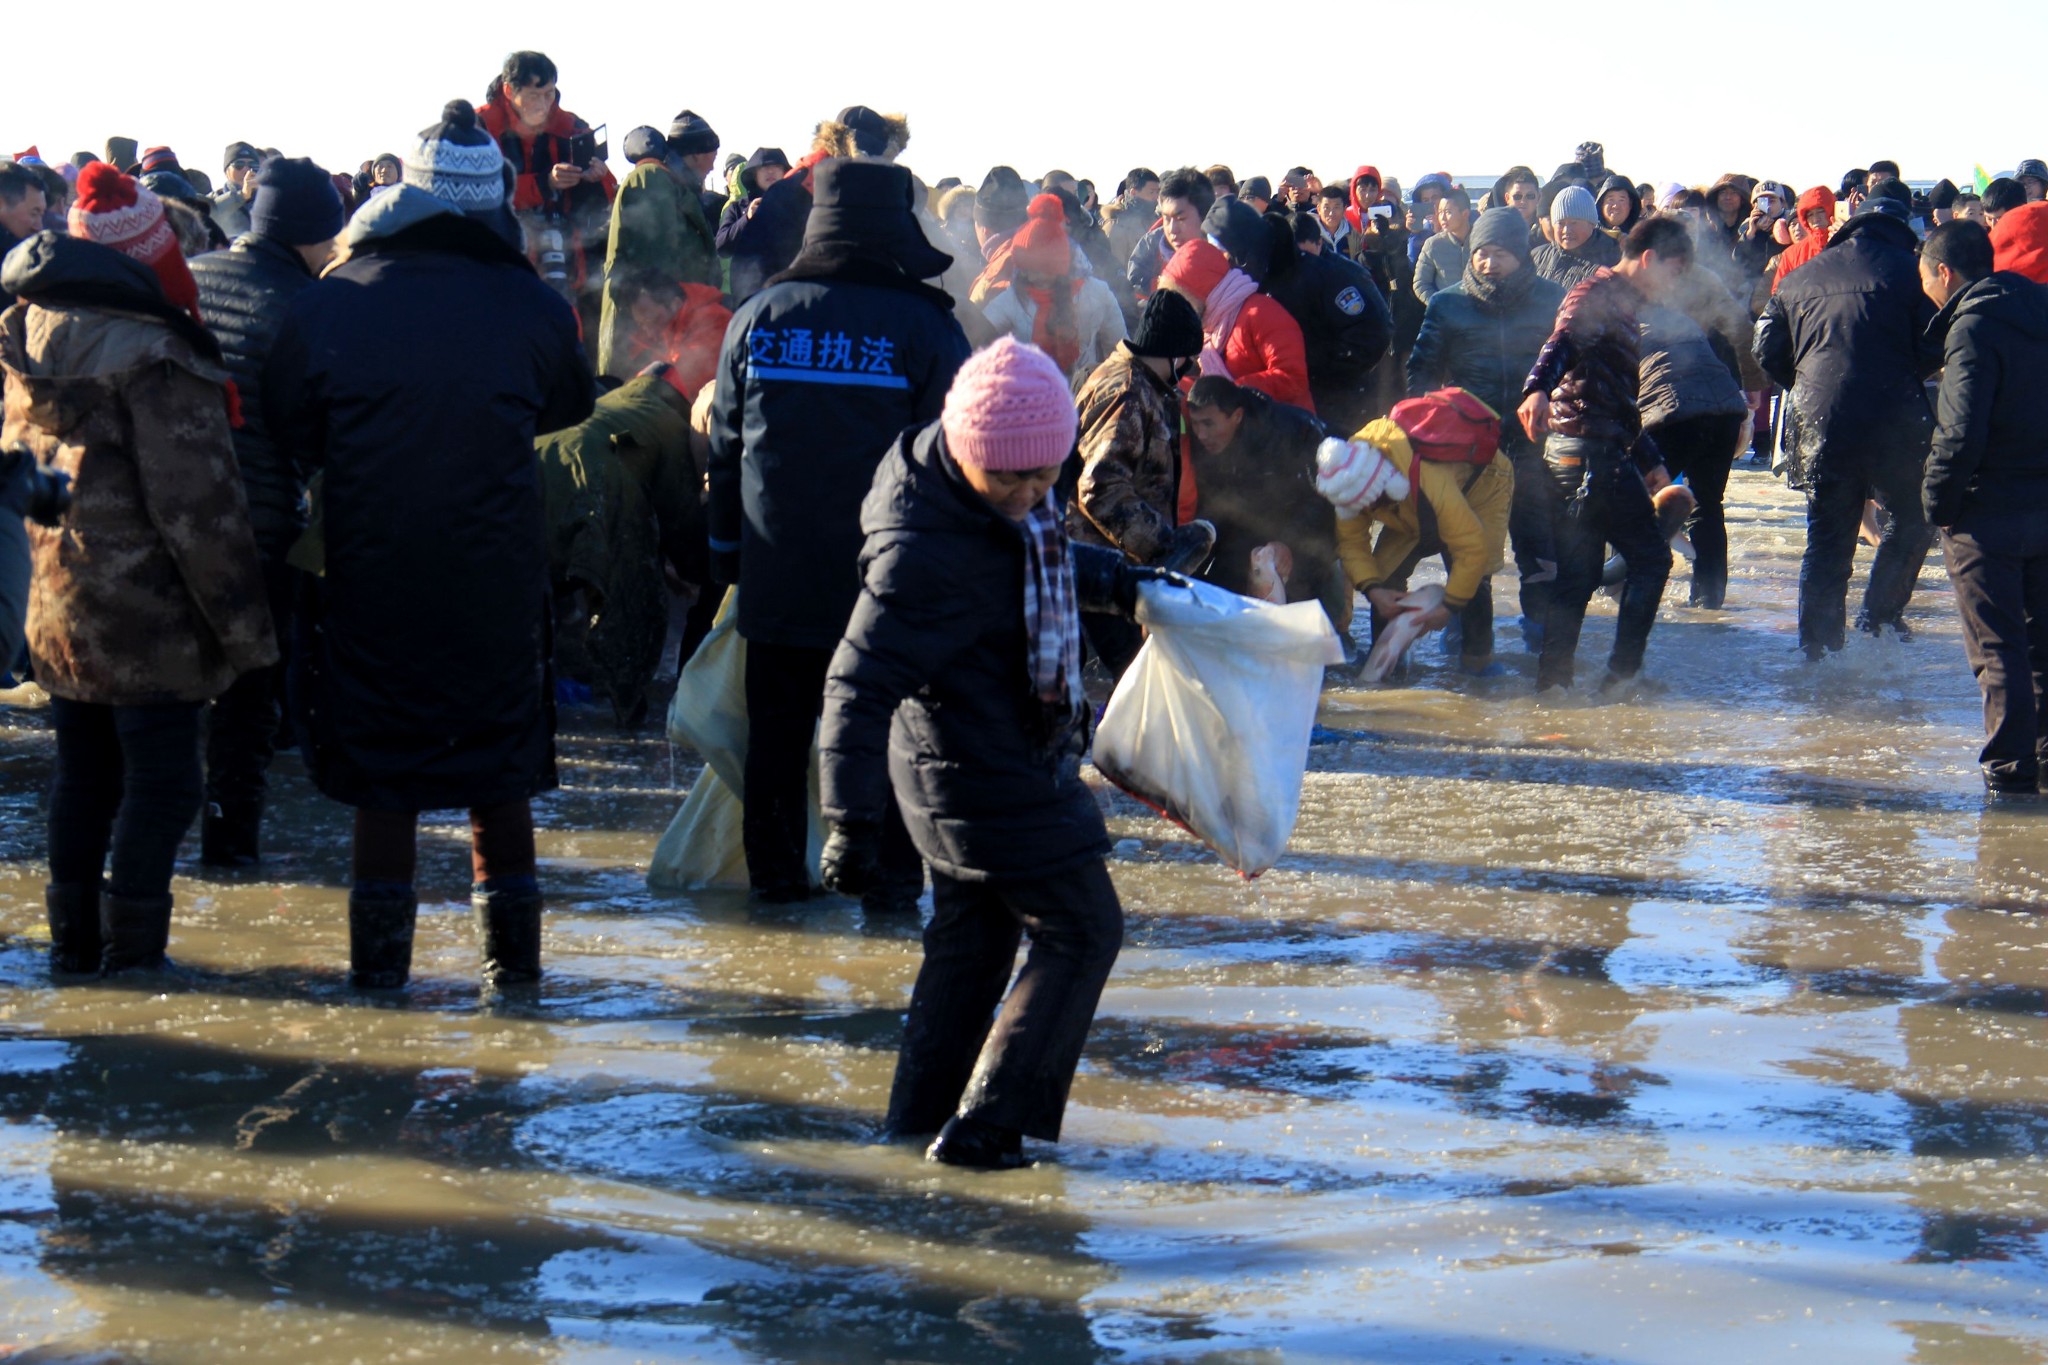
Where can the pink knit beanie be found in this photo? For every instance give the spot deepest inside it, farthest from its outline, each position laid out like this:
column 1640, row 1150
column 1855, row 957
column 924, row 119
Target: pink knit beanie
column 1009, row 408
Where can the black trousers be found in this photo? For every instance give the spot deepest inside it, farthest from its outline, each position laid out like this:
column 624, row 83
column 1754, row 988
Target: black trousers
column 785, row 697
column 1615, row 509
column 1839, row 486
column 1998, row 562
column 241, row 737
column 1532, row 531
column 127, row 782
column 1011, row 1068
column 1703, row 450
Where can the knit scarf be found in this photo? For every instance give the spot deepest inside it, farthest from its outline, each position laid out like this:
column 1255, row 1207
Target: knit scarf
column 1052, row 612
column 1055, row 329
column 1499, row 295
column 1219, row 312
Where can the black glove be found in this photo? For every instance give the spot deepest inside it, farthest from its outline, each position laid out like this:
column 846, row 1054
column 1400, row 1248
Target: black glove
column 1123, row 595
column 852, row 860
column 1189, row 548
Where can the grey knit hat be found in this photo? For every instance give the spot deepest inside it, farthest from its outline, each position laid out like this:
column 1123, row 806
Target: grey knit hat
column 1574, row 201
column 458, row 162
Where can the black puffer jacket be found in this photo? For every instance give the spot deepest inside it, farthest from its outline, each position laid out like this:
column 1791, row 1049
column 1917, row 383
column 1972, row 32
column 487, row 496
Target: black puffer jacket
column 933, row 671
column 1847, row 334
column 1991, row 443
column 243, row 294
column 415, row 377
column 820, row 374
column 1591, row 366
column 1487, row 348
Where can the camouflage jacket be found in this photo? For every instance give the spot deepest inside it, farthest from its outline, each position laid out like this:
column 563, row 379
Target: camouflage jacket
column 1130, row 459
column 150, row 591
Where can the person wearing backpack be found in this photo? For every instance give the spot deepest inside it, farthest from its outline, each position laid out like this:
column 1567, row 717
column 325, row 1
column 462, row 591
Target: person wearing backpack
column 1430, row 477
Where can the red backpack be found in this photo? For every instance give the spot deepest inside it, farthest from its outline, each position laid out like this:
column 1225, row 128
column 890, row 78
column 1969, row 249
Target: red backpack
column 1450, row 426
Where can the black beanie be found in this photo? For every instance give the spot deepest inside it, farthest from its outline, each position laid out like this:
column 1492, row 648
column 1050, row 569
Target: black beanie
column 645, row 144
column 1168, row 329
column 690, row 135
column 1001, row 202
column 296, row 203
column 870, row 130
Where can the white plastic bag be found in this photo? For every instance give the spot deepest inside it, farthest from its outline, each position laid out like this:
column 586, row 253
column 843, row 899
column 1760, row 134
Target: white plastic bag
column 702, row 847
column 1210, row 725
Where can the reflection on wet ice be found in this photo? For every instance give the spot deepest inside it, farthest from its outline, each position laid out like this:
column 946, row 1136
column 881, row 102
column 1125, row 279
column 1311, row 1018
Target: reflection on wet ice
column 1709, row 1023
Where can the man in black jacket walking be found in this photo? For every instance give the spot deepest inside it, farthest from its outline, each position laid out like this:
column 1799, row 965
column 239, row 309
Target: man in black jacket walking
column 1987, row 489
column 822, row 370
column 1847, row 335
column 294, row 219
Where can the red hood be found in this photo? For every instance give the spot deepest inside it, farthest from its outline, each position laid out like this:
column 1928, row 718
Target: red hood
column 1819, row 197
column 499, row 117
column 1359, row 175
column 2020, row 242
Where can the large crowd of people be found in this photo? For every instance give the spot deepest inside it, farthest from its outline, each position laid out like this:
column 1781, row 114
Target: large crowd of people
column 379, row 464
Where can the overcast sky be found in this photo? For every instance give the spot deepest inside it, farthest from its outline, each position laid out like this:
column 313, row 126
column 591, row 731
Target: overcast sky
column 1792, row 92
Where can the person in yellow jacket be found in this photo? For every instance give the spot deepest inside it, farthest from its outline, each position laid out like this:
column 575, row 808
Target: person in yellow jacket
column 1419, row 508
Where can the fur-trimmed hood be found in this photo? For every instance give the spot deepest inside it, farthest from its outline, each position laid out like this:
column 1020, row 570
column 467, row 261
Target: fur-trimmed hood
column 834, row 138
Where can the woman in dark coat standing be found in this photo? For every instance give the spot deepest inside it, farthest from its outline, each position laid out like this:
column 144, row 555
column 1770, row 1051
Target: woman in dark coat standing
column 415, row 378
column 959, row 685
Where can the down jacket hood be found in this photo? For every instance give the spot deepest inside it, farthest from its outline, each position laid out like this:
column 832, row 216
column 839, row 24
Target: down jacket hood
column 61, row 271
column 2020, row 242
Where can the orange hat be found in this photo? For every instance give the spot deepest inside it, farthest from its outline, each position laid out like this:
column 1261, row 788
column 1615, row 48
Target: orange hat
column 1041, row 245
column 1196, row 269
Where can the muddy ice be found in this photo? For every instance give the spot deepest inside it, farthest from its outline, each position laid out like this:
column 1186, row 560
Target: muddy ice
column 1705, row 1023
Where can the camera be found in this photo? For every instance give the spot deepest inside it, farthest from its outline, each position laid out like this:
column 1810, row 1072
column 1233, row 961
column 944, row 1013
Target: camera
column 29, row 490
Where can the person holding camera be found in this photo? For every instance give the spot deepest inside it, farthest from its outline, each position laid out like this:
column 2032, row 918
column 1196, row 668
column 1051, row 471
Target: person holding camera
column 148, row 598
column 563, row 193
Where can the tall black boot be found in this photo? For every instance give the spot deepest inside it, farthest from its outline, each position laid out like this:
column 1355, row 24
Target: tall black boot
column 380, row 926
column 230, row 833
column 75, row 940
column 134, row 931
column 508, row 923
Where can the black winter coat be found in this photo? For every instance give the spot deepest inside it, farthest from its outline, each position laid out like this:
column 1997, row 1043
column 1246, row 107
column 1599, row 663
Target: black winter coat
column 1262, row 488
column 415, row 377
column 1484, row 348
column 1345, row 328
column 1847, row 334
column 819, row 377
column 1990, row 450
column 934, row 670
column 243, row 295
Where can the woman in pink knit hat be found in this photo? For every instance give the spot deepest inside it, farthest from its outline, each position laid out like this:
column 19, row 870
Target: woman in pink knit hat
column 959, row 684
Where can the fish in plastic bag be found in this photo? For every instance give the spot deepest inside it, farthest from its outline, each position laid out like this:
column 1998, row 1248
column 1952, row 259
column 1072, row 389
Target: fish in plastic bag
column 1210, row 724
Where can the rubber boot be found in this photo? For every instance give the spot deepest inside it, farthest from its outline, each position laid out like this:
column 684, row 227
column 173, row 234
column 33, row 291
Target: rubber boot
column 230, row 834
column 380, row 927
column 977, row 1145
column 75, row 941
column 508, row 925
column 134, row 931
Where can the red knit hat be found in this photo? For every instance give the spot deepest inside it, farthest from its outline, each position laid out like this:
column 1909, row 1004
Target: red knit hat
column 1196, row 269
column 115, row 210
column 2020, row 242
column 1041, row 245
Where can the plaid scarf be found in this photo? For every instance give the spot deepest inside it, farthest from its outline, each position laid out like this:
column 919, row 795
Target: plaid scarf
column 1052, row 613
